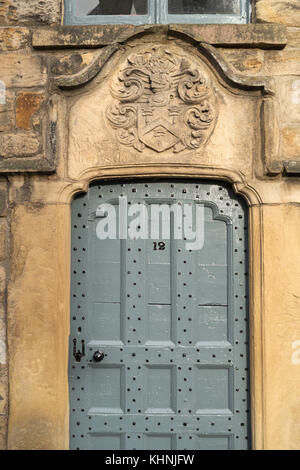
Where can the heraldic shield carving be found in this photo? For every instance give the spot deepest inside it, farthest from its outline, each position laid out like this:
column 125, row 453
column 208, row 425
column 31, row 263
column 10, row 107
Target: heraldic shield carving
column 162, row 102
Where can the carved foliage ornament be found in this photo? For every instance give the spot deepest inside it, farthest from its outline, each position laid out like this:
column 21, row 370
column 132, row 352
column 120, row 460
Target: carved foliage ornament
column 162, row 103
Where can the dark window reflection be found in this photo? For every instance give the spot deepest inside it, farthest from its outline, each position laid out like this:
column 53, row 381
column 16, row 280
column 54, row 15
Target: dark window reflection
column 200, row 7
column 112, row 7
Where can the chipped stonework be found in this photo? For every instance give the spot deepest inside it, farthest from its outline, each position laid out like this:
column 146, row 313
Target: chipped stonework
column 278, row 11
column 23, row 12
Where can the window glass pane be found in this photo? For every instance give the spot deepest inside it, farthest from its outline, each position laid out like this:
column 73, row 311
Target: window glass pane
column 111, row 7
column 201, row 7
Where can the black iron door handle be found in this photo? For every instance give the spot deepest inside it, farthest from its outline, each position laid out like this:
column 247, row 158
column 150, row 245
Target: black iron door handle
column 98, row 356
column 77, row 353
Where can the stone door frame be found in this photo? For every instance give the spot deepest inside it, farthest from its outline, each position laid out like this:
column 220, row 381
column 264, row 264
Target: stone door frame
column 39, row 401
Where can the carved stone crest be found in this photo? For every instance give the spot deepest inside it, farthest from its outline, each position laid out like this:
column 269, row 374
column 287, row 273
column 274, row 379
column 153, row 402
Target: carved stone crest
column 162, row 102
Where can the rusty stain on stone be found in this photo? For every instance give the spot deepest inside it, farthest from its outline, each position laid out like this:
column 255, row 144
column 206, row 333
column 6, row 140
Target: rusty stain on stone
column 27, row 104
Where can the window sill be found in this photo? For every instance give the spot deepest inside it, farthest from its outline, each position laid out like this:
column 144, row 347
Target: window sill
column 263, row 36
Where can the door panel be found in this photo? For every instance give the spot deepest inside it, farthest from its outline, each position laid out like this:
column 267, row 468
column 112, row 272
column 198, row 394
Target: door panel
column 171, row 322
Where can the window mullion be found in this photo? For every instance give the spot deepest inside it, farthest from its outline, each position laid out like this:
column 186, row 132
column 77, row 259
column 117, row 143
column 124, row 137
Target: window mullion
column 161, row 11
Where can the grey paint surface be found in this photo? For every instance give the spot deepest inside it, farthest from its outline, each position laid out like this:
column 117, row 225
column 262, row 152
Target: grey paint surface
column 172, row 324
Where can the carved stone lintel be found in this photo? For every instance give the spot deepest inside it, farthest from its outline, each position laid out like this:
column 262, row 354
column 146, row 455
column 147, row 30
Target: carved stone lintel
column 162, row 102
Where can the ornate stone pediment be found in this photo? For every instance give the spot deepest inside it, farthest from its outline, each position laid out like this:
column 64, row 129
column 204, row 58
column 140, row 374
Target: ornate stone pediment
column 163, row 102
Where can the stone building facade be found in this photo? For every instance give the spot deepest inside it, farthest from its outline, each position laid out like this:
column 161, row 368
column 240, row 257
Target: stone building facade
column 55, row 139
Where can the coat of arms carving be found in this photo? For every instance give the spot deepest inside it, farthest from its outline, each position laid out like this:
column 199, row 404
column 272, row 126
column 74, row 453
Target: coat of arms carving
column 162, row 102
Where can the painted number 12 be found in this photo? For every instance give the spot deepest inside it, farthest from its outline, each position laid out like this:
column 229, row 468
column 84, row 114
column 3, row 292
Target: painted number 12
column 159, row 246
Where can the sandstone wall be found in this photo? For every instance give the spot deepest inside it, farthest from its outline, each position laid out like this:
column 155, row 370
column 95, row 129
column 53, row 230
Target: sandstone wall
column 22, row 94
column 47, row 91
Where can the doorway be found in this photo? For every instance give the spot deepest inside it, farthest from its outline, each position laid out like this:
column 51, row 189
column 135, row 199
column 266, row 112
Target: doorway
column 159, row 356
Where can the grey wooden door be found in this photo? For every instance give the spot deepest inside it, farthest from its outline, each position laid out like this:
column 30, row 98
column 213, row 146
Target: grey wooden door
column 171, row 322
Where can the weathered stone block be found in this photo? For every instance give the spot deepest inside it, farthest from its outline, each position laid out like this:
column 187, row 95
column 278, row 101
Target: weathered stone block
column 3, row 354
column 289, row 99
column 21, row 144
column 81, row 36
column 278, row 11
column 2, row 280
column 3, row 431
column 27, row 104
column 38, row 419
column 281, row 250
column 290, row 142
column 71, row 63
column 292, row 167
column 30, row 12
column 3, row 368
column 253, row 35
column 285, row 62
column 13, row 38
column 3, row 363
column 274, row 167
column 270, row 120
column 3, row 198
column 22, row 71
column 7, row 112
column 293, row 36
column 243, row 60
column 3, row 393
column 3, row 241
column 266, row 36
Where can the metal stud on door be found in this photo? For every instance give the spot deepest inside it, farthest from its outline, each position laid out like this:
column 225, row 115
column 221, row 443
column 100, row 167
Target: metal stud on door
column 159, row 342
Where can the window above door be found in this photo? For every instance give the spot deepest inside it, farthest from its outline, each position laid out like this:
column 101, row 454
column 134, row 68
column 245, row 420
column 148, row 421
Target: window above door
column 156, row 11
